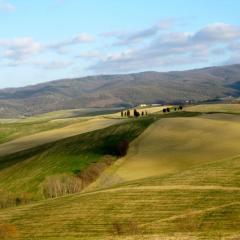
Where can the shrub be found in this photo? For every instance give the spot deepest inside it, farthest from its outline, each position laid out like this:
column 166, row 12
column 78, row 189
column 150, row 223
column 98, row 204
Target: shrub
column 60, row 185
column 92, row 172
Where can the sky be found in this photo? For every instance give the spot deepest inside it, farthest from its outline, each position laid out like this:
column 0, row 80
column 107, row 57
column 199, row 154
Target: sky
column 56, row 39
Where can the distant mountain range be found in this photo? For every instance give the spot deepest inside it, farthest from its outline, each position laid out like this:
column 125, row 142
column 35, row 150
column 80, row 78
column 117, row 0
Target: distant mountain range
column 122, row 90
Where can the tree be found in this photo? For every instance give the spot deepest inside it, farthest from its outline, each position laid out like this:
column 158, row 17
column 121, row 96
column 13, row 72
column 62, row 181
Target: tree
column 128, row 113
column 142, row 113
column 164, row 110
column 136, row 113
column 122, row 148
column 121, row 113
column 180, row 108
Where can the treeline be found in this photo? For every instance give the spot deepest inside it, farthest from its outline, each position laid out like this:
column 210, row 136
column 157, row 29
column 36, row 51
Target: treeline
column 167, row 110
column 138, row 113
column 135, row 113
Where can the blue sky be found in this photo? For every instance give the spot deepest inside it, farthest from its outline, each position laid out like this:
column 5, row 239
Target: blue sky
column 54, row 39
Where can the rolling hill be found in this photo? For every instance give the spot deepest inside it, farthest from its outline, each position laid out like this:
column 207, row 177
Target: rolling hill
column 179, row 180
column 175, row 144
column 122, row 90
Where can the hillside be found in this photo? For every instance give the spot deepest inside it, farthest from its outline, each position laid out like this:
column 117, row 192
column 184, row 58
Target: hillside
column 24, row 171
column 179, row 180
column 121, row 90
column 175, row 144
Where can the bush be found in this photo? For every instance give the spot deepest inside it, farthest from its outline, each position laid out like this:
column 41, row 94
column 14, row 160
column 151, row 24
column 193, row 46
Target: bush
column 92, row 172
column 60, row 185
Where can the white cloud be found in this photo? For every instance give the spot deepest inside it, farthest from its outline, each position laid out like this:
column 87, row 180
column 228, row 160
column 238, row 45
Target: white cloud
column 175, row 48
column 52, row 65
column 20, row 48
column 7, row 6
column 80, row 38
column 127, row 38
column 217, row 32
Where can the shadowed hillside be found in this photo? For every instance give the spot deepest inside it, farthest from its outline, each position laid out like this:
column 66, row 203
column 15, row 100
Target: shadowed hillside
column 121, row 90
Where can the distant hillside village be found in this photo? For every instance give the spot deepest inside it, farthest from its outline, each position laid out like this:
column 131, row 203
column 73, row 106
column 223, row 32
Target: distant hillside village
column 136, row 112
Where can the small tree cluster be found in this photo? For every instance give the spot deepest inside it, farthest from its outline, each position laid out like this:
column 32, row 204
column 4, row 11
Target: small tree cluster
column 167, row 110
column 136, row 113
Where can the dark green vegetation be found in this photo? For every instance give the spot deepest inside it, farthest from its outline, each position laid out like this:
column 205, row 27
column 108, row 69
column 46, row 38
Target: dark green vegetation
column 24, row 172
column 122, row 90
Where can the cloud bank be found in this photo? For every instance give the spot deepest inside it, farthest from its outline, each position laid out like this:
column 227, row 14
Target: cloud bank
column 173, row 48
column 157, row 47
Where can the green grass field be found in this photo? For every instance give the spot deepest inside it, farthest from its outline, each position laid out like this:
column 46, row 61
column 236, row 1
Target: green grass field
column 14, row 128
column 26, row 170
column 179, row 180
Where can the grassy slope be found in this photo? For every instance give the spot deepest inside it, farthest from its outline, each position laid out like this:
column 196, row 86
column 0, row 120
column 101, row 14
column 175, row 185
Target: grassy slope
column 44, row 137
column 175, row 144
column 24, row 171
column 226, row 108
column 140, row 208
column 12, row 130
column 199, row 202
column 15, row 128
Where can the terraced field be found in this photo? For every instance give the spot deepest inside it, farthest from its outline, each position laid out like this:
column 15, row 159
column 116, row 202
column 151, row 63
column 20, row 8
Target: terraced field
column 179, row 180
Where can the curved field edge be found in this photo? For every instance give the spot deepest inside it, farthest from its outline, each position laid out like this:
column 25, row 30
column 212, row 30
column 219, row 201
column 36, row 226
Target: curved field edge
column 173, row 145
column 23, row 172
column 200, row 202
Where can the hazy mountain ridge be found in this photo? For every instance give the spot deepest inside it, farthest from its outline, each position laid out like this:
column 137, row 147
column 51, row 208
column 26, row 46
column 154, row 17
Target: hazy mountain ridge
column 116, row 90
